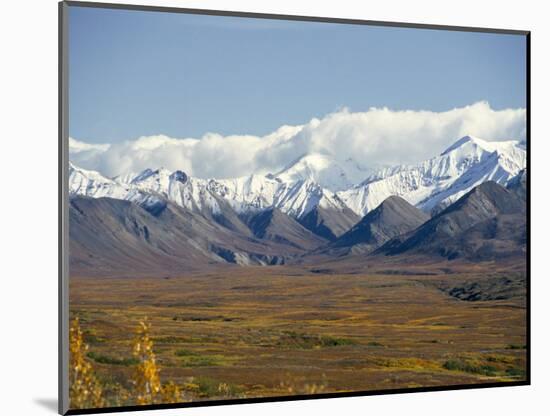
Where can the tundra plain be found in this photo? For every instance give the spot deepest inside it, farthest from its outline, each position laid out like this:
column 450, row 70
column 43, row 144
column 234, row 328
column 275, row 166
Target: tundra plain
column 283, row 330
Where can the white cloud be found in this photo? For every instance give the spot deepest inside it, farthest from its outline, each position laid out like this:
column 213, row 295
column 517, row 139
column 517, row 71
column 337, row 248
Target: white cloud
column 374, row 138
column 78, row 146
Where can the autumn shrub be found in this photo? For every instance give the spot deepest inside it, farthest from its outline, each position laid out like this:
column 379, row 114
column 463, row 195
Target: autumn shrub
column 85, row 390
column 295, row 387
column 146, row 381
column 88, row 390
column 147, row 385
column 171, row 393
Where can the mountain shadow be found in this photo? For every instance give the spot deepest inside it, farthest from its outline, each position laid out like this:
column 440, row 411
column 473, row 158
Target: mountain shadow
column 393, row 217
column 111, row 237
column 329, row 223
column 274, row 225
column 488, row 222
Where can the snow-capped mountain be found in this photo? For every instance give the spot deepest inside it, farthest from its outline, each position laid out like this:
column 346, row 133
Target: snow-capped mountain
column 245, row 194
column 254, row 192
column 94, row 184
column 177, row 187
column 323, row 170
column 439, row 181
column 316, row 180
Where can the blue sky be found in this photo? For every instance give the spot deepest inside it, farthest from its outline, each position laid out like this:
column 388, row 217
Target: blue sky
column 136, row 73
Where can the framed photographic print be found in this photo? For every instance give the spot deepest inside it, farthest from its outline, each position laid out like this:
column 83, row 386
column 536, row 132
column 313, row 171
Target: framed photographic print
column 264, row 207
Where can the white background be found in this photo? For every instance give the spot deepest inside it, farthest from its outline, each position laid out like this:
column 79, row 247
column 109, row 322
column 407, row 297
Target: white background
column 28, row 205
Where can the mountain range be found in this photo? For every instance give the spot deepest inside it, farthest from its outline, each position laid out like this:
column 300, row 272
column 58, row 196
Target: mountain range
column 488, row 222
column 467, row 202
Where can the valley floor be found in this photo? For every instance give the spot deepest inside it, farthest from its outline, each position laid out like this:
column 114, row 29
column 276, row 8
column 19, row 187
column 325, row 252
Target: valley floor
column 273, row 331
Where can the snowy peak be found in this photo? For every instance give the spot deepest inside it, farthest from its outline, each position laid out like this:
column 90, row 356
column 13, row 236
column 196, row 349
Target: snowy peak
column 318, row 168
column 464, row 141
column 147, row 173
column 511, row 154
column 437, row 182
column 246, row 194
column 468, row 144
column 154, row 180
column 178, row 176
column 126, row 178
column 94, row 184
column 317, row 181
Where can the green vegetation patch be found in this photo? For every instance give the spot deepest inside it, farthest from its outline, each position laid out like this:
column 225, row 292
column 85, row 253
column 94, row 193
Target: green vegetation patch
column 291, row 339
column 499, row 358
column 184, row 353
column 516, row 347
column 190, row 358
column 411, row 363
column 200, row 361
column 183, row 340
column 516, row 372
column 90, row 337
column 470, row 367
column 206, row 318
column 207, row 387
column 105, row 359
column 170, row 340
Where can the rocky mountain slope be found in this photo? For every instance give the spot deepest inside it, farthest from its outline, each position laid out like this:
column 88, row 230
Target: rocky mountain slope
column 487, row 222
column 469, row 202
column 393, row 217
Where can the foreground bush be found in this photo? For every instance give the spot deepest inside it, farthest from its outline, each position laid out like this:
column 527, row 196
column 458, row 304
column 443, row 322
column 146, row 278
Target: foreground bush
column 148, row 388
column 85, row 390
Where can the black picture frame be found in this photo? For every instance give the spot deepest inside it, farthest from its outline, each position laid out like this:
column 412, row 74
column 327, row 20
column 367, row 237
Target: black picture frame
column 63, row 236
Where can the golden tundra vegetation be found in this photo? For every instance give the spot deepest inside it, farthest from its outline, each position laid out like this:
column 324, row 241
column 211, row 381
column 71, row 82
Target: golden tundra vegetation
column 259, row 332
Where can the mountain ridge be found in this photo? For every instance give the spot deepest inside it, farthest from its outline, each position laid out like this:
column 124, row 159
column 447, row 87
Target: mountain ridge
column 430, row 185
column 110, row 236
column 435, row 183
column 393, row 217
column 451, row 233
